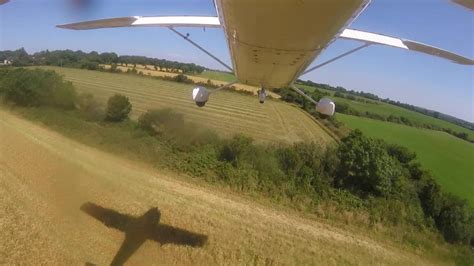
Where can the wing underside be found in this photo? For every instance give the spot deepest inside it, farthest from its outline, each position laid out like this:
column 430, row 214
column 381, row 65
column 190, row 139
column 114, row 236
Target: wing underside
column 165, row 21
column 374, row 38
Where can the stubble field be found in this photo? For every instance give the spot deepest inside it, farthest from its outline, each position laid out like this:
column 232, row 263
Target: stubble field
column 227, row 113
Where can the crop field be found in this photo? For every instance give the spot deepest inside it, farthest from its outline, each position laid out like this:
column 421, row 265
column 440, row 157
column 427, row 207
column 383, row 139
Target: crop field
column 449, row 159
column 227, row 113
column 217, row 75
column 221, row 78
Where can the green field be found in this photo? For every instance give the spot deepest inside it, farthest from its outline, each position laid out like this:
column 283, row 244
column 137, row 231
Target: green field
column 385, row 109
column 217, row 75
column 449, row 159
column 227, row 113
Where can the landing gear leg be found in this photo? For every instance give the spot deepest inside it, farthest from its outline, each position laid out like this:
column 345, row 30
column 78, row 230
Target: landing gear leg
column 262, row 94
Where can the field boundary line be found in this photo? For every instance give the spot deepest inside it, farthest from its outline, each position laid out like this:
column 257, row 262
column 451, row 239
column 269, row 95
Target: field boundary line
column 325, row 129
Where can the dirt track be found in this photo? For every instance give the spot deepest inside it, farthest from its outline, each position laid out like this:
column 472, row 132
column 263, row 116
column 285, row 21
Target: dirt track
column 45, row 178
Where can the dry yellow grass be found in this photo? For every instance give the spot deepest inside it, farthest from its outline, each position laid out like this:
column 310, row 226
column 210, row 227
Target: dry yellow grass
column 45, row 178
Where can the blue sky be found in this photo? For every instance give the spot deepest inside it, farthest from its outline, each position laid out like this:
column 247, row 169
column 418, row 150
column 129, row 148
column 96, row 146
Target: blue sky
column 397, row 74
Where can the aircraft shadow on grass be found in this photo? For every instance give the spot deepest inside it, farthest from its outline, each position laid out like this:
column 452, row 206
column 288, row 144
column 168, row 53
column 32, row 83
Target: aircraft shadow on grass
column 139, row 229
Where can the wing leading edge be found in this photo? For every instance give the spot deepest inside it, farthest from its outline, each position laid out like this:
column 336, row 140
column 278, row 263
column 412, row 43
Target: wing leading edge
column 404, row 44
column 136, row 21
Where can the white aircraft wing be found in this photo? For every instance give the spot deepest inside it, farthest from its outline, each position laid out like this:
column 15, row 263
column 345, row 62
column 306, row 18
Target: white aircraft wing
column 165, row 21
column 374, row 38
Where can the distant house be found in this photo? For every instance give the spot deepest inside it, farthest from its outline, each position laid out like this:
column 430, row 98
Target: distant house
column 5, row 62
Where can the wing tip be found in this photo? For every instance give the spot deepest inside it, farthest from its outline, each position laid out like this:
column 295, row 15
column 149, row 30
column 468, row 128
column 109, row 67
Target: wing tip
column 65, row 26
column 468, row 4
column 100, row 23
column 438, row 52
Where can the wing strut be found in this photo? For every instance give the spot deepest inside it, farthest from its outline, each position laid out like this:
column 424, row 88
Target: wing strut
column 303, row 94
column 224, row 86
column 336, row 58
column 325, row 105
column 186, row 37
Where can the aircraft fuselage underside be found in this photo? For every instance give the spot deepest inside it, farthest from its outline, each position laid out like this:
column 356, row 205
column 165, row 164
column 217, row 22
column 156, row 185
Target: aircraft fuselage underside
column 272, row 42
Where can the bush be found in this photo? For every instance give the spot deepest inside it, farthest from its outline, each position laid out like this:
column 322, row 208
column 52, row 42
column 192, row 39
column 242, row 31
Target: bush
column 431, row 197
column 118, row 108
column 171, row 127
column 182, row 79
column 342, row 107
column 452, row 216
column 366, row 167
column 456, row 221
column 89, row 65
column 307, row 164
column 90, row 107
column 158, row 122
column 233, row 150
column 402, row 154
column 37, row 87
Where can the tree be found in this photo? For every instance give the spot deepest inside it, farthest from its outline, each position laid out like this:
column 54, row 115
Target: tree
column 118, row 108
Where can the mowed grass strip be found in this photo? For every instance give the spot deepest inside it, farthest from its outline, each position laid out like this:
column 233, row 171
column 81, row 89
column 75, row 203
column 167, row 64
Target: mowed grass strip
column 227, row 113
column 449, row 159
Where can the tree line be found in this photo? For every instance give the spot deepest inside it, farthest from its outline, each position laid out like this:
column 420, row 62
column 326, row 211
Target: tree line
column 91, row 61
